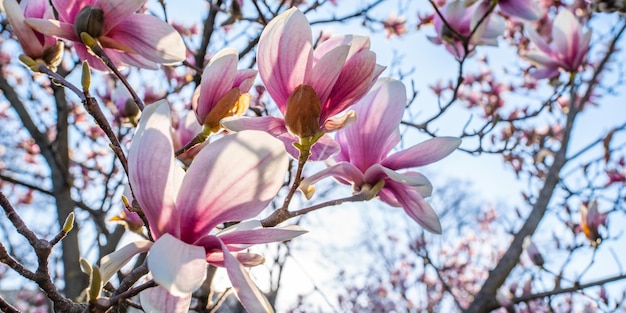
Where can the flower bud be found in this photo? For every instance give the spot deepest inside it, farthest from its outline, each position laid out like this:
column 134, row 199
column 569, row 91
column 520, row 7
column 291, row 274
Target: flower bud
column 303, row 112
column 53, row 55
column 90, row 20
column 130, row 108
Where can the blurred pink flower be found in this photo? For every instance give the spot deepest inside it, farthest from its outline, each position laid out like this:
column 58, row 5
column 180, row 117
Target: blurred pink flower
column 310, row 87
column 364, row 161
column 223, row 89
column 35, row 44
column 187, row 128
column 395, row 26
column 232, row 179
column 462, row 18
column 128, row 38
column 566, row 51
column 524, row 9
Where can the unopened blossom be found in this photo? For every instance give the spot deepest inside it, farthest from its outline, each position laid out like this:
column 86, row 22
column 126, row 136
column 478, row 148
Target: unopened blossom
column 365, row 161
column 232, row 179
column 223, row 89
column 309, row 86
column 590, row 221
column 565, row 52
column 533, row 253
column 36, row 45
column 128, row 38
column 461, row 19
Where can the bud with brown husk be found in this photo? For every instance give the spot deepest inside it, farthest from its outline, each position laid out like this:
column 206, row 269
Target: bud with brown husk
column 303, row 112
column 90, row 20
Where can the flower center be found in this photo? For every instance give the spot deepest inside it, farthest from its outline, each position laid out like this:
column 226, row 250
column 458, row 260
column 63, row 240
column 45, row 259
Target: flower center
column 89, row 20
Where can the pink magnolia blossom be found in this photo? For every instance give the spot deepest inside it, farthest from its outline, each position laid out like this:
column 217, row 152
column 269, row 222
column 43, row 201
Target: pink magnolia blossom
column 35, row 44
column 566, row 51
column 232, row 179
column 223, row 89
column 128, row 38
column 462, row 18
column 310, row 86
column 364, row 160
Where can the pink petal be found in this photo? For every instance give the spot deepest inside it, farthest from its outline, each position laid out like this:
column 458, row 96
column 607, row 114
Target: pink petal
column 178, row 267
column 53, row 28
column 113, row 262
column 231, row 179
column 262, row 235
column 252, row 299
column 415, row 206
column 426, row 152
column 68, row 9
column 356, row 78
column 375, row 132
column 27, row 37
column 414, row 180
column 344, row 172
column 284, row 55
column 323, row 149
column 525, row 9
column 151, row 149
column 244, row 79
column 159, row 300
column 326, row 71
column 565, row 33
column 116, row 11
column 217, row 80
column 150, row 37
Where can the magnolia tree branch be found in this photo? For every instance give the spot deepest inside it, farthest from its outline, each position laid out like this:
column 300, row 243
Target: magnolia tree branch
column 43, row 248
column 485, row 300
column 574, row 288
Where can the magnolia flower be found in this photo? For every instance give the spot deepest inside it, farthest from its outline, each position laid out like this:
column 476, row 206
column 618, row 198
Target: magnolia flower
column 128, row 38
column 566, row 51
column 524, row 9
column 310, row 87
column 223, row 89
column 590, row 221
column 462, row 18
column 35, row 45
column 232, row 179
column 364, row 160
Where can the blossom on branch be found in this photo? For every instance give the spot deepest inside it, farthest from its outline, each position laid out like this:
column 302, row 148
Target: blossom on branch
column 223, row 90
column 310, row 86
column 590, row 221
column 566, row 51
column 36, row 45
column 524, row 9
column 232, row 179
column 128, row 38
column 364, row 160
column 460, row 19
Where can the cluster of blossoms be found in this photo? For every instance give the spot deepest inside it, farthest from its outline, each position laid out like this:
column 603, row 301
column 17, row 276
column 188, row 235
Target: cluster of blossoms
column 463, row 25
column 234, row 177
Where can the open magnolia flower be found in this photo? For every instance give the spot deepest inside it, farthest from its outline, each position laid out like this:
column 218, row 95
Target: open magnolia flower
column 310, row 86
column 461, row 18
column 128, row 38
column 223, row 90
column 231, row 179
column 35, row 45
column 566, row 51
column 364, row 161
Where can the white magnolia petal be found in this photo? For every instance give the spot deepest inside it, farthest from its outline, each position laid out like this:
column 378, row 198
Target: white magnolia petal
column 111, row 263
column 177, row 266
